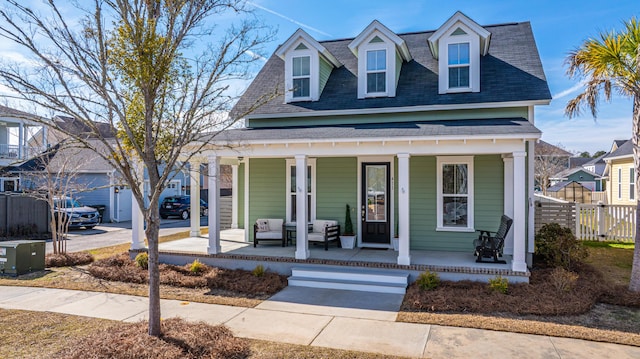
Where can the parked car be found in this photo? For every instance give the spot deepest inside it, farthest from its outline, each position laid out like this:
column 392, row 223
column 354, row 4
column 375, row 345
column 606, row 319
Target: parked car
column 180, row 206
column 78, row 214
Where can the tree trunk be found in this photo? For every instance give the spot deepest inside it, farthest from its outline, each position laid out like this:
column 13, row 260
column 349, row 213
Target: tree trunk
column 634, row 283
column 153, row 229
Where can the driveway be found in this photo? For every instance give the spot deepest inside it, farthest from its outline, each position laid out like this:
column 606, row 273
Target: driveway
column 110, row 234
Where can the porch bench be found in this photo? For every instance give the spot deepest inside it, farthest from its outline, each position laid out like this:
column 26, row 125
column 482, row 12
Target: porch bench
column 269, row 230
column 324, row 231
column 490, row 244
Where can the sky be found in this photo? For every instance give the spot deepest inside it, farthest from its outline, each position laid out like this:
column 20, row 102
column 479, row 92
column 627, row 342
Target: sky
column 559, row 26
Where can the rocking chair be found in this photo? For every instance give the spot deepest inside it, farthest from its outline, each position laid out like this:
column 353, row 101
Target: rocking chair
column 490, row 244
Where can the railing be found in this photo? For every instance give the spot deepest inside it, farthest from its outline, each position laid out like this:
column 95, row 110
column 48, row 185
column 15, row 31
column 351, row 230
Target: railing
column 605, row 222
column 16, row 152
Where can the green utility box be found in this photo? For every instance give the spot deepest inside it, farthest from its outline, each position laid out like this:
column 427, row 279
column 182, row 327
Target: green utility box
column 19, row 257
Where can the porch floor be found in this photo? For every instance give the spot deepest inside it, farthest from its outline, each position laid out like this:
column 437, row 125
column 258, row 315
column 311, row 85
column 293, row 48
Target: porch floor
column 232, row 243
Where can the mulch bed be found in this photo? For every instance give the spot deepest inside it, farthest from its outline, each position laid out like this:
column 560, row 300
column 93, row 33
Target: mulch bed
column 539, row 297
column 179, row 339
column 121, row 268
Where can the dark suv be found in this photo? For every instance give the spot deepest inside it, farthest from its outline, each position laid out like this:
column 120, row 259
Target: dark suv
column 180, row 206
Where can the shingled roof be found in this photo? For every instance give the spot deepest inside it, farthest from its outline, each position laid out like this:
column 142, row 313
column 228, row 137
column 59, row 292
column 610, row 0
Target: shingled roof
column 399, row 130
column 511, row 71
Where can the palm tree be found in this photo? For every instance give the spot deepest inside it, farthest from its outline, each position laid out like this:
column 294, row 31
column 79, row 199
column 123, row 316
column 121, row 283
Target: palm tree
column 607, row 63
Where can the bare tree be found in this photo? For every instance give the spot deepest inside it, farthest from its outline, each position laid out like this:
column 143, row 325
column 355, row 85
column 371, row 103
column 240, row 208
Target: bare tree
column 55, row 179
column 157, row 71
column 549, row 160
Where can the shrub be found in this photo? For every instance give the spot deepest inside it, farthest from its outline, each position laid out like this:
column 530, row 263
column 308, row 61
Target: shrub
column 428, row 280
column 556, row 246
column 197, row 267
column 142, row 260
column 499, row 284
column 67, row 259
column 563, row 280
column 258, row 271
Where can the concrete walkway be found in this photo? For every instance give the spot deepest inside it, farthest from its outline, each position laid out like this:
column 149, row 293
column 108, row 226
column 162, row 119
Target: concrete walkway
column 337, row 319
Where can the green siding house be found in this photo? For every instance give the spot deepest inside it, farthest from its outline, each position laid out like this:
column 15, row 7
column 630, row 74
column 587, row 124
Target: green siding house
column 428, row 136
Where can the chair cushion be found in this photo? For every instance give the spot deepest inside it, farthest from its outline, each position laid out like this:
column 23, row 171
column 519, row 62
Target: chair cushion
column 263, row 225
column 320, row 225
column 315, row 237
column 269, row 235
column 275, row 224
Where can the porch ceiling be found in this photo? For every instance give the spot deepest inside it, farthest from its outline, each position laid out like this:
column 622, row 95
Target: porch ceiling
column 449, row 129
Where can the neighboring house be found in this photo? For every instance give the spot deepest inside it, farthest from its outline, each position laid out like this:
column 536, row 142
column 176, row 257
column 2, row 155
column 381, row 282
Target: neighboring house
column 620, row 174
column 586, row 178
column 549, row 160
column 428, row 135
column 16, row 129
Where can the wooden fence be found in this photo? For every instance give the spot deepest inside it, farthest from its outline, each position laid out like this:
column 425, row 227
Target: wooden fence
column 595, row 222
column 606, row 222
column 22, row 216
column 555, row 212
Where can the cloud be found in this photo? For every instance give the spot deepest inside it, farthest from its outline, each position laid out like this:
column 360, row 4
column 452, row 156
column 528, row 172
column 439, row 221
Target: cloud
column 289, row 19
column 568, row 91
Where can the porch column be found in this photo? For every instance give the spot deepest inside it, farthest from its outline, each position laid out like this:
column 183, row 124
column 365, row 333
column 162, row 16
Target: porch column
column 214, row 205
column 235, row 191
column 21, row 143
column 137, row 221
column 519, row 216
column 44, row 140
column 531, row 223
column 302, row 247
column 508, row 199
column 194, row 182
column 403, row 209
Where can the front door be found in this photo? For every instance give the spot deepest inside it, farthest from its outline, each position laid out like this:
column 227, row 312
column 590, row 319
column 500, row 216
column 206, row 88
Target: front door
column 375, row 207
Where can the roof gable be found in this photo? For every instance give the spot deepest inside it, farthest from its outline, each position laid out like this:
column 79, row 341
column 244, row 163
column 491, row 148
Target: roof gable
column 301, row 35
column 377, row 26
column 457, row 23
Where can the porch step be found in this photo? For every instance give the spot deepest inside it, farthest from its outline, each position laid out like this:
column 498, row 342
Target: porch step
column 349, row 279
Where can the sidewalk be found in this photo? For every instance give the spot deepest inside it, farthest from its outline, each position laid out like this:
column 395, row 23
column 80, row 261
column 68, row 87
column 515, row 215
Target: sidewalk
column 345, row 320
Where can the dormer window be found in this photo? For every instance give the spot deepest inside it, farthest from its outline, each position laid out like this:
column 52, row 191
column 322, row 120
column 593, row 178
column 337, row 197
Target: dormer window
column 459, row 65
column 458, row 45
column 301, row 76
column 307, row 66
column 376, row 71
column 380, row 55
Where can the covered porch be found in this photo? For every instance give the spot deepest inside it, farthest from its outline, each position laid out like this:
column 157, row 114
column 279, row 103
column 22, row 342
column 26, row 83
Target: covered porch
column 236, row 253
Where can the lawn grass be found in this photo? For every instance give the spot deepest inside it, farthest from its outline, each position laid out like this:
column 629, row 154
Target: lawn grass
column 106, row 252
column 27, row 334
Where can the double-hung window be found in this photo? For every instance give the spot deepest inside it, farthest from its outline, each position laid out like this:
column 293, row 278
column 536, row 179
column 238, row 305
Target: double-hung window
column 376, row 71
column 291, row 205
column 459, row 65
column 619, row 183
column 301, row 77
column 455, row 193
column 632, row 184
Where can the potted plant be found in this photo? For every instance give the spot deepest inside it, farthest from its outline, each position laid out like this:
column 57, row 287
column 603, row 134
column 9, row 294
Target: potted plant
column 348, row 239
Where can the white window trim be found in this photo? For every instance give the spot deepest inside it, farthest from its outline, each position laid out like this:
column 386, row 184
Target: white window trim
column 311, row 162
column 632, row 184
column 619, row 183
column 294, row 77
column 314, row 72
column 390, row 77
column 474, row 60
column 466, row 160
